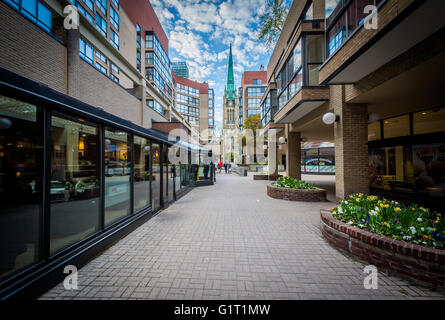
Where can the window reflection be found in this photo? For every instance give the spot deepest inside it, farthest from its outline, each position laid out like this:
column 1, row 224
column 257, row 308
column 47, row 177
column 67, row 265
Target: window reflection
column 117, row 175
column 142, row 175
column 21, row 155
column 374, row 132
column 429, row 121
column 156, row 172
column 75, row 189
column 396, row 127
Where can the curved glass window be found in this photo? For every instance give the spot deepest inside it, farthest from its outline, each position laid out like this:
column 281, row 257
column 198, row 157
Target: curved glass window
column 142, row 173
column 117, row 175
column 21, row 163
column 75, row 188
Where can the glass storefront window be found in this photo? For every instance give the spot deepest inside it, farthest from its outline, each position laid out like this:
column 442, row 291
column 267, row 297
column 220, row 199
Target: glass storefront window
column 296, row 84
column 337, row 35
column 165, row 182
column 156, row 176
column 356, row 13
column 396, row 127
column 315, row 57
column 75, row 187
column 117, row 175
column 142, row 152
column 315, row 48
column 429, row 121
column 332, row 7
column 374, row 132
column 21, row 163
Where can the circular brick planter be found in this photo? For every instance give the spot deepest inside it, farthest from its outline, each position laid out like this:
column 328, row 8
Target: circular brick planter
column 265, row 177
column 260, row 177
column 421, row 265
column 315, row 195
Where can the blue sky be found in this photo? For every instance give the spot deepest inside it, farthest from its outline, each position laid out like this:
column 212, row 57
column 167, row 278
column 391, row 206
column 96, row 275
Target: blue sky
column 200, row 32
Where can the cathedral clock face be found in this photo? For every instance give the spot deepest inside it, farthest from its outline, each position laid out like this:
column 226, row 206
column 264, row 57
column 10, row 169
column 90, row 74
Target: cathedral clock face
column 230, row 103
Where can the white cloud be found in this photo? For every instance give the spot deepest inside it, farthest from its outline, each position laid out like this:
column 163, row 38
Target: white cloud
column 200, row 32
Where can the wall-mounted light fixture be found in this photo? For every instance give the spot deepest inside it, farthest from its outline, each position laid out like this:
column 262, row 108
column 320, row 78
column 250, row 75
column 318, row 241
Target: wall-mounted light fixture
column 5, row 123
column 282, row 140
column 330, row 118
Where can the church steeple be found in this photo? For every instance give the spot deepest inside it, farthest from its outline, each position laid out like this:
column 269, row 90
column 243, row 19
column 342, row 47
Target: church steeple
column 230, row 90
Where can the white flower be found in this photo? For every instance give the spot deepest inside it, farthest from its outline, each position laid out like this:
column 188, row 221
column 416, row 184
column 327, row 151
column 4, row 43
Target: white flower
column 413, row 230
column 423, row 229
column 360, row 225
column 419, row 219
column 407, row 238
column 340, row 210
column 346, row 202
column 350, row 223
column 377, row 209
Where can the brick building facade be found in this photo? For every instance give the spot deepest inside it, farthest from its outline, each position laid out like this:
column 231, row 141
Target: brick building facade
column 336, row 57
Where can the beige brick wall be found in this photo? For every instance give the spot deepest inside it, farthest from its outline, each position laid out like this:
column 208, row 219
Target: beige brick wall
column 303, row 94
column 34, row 54
column 99, row 91
column 31, row 52
column 351, row 145
column 425, row 50
column 293, row 153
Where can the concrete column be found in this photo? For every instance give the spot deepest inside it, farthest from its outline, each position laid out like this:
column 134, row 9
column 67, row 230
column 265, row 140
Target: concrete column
column 73, row 63
column 351, row 145
column 293, row 155
column 272, row 154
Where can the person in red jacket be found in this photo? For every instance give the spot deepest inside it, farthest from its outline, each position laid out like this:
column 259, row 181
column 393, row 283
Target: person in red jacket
column 220, row 164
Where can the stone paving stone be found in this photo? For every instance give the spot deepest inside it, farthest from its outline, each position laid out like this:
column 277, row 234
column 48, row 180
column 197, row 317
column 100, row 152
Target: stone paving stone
column 231, row 241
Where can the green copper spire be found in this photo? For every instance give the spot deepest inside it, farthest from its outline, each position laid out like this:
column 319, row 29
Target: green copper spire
column 230, row 90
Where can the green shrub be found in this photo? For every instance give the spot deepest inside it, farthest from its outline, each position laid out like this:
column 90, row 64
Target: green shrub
column 287, row 182
column 411, row 224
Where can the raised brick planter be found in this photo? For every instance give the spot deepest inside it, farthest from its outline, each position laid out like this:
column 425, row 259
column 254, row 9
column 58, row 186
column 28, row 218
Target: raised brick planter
column 420, row 265
column 265, row 177
column 315, row 195
column 260, row 177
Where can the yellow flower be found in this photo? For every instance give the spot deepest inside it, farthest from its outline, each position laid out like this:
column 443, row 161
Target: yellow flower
column 422, row 208
column 425, row 237
column 434, row 229
column 357, row 199
column 436, row 222
column 397, row 209
column 439, row 214
column 386, row 205
column 386, row 224
column 414, row 209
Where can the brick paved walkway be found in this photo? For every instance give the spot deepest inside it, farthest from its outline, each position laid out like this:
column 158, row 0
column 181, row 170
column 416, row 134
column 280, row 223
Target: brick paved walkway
column 231, row 241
